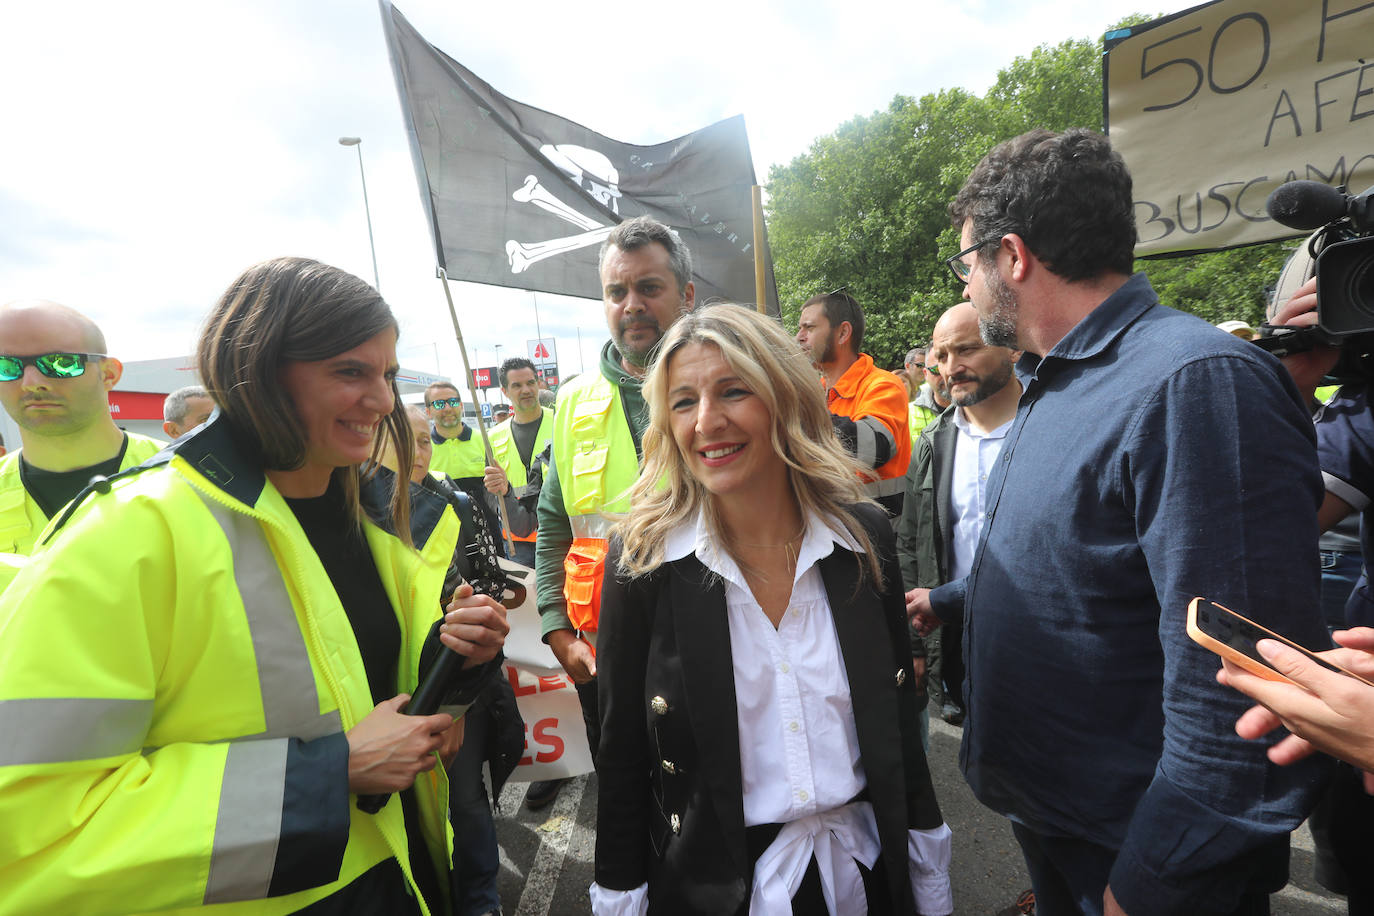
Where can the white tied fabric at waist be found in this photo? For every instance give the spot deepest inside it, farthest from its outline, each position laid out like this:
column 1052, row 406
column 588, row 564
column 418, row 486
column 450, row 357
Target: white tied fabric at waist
column 839, row 839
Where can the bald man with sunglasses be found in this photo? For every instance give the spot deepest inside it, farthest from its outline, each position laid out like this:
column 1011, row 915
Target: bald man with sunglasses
column 54, row 383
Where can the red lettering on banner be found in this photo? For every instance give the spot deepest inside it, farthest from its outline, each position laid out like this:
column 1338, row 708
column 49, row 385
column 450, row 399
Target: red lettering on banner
column 552, row 746
column 514, row 677
column 545, row 734
column 554, row 682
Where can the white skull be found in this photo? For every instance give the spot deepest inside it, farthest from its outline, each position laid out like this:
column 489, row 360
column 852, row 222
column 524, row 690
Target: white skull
column 590, row 169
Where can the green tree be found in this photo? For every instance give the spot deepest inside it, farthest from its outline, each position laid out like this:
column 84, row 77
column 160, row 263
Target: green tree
column 867, row 206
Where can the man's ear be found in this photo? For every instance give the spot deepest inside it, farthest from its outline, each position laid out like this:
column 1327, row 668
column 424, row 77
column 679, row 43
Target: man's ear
column 844, row 333
column 689, row 297
column 1020, row 266
column 111, row 370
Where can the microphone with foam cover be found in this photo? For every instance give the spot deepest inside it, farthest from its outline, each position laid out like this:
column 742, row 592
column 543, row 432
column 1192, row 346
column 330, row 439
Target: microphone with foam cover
column 1307, row 204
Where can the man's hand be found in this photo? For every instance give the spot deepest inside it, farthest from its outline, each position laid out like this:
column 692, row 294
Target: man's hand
column 494, row 479
column 1311, row 366
column 574, row 655
column 918, row 665
column 1327, row 711
column 388, row 749
column 1109, row 905
column 919, row 613
column 475, row 626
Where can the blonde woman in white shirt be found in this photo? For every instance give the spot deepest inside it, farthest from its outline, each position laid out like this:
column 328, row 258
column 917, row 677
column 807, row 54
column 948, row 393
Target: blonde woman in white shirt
column 760, row 747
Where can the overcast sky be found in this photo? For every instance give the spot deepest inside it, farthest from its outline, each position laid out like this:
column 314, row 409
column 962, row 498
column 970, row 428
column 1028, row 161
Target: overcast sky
column 152, row 151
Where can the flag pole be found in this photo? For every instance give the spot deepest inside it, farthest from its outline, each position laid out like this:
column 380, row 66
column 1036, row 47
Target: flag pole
column 760, row 284
column 481, row 427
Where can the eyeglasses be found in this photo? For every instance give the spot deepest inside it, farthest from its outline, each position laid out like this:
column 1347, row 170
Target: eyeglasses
column 961, row 270
column 933, row 370
column 446, row 402
column 53, row 365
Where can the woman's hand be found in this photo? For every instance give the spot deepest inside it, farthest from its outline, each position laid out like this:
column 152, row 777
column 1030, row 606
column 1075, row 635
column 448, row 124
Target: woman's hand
column 474, row 626
column 388, row 748
column 1328, row 711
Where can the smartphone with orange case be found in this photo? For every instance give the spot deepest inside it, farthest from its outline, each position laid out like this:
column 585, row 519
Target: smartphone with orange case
column 1233, row 637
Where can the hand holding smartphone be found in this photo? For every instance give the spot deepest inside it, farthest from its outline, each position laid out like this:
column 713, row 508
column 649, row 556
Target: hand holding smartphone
column 1233, row 637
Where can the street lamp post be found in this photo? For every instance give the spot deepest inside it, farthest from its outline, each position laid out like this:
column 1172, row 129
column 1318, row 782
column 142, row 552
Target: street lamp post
column 357, row 142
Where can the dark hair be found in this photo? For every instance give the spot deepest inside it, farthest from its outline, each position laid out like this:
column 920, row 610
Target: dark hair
column 294, row 310
column 1067, row 195
column 515, row 362
column 840, row 306
column 635, row 233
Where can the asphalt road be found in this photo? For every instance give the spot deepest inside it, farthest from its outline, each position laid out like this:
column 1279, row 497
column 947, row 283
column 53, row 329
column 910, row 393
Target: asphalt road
column 546, row 855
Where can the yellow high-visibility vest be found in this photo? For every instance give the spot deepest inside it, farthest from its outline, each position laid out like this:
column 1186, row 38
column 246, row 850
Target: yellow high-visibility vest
column 166, row 653
column 507, row 453
column 21, row 520
column 594, row 452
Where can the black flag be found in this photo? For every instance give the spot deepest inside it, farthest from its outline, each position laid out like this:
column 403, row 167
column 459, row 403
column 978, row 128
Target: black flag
column 519, row 197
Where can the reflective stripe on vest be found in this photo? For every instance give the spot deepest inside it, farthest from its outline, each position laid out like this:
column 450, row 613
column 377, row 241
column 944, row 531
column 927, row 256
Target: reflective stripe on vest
column 594, row 526
column 65, row 729
column 286, row 677
column 890, row 486
column 248, row 820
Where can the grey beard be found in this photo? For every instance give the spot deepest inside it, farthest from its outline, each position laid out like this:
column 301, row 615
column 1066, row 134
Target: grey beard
column 999, row 328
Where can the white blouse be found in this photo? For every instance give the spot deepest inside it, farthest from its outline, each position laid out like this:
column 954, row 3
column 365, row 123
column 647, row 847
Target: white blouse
column 799, row 748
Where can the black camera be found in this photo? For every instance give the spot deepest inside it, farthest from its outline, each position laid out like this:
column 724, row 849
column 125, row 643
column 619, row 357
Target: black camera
column 1341, row 254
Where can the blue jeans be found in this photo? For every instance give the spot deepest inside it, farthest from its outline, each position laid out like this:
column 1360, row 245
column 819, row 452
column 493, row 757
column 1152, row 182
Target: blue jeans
column 476, row 859
column 1069, row 876
column 1340, row 571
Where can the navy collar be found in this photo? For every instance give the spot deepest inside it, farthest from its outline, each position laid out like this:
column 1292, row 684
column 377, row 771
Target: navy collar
column 464, row 433
column 221, row 457
column 1100, row 328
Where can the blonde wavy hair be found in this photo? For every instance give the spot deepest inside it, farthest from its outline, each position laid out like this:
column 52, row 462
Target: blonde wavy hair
column 824, row 478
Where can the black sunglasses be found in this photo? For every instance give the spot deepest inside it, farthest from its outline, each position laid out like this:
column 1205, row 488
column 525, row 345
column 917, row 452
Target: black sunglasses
column 52, row 365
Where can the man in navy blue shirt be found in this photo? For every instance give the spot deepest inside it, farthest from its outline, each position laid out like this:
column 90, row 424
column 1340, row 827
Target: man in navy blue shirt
column 1153, row 458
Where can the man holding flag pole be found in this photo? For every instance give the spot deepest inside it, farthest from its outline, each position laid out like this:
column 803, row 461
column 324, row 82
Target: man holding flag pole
column 530, row 200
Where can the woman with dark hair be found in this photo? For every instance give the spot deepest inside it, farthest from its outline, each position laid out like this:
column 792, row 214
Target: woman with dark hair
column 242, row 619
column 760, row 747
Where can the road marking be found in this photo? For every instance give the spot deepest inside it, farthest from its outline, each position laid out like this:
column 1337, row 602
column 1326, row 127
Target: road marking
column 542, row 880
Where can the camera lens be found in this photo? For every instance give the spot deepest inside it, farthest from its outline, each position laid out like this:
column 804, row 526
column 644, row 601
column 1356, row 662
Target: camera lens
column 1345, row 286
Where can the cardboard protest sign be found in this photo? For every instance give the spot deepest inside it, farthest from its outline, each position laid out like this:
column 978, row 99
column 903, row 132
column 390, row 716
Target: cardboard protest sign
column 1215, row 107
column 555, row 736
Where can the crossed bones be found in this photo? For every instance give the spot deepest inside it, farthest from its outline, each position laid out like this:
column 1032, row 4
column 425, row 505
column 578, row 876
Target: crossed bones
column 524, row 254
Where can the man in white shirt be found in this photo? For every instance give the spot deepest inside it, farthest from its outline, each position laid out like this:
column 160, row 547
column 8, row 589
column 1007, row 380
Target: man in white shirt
column 942, row 516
